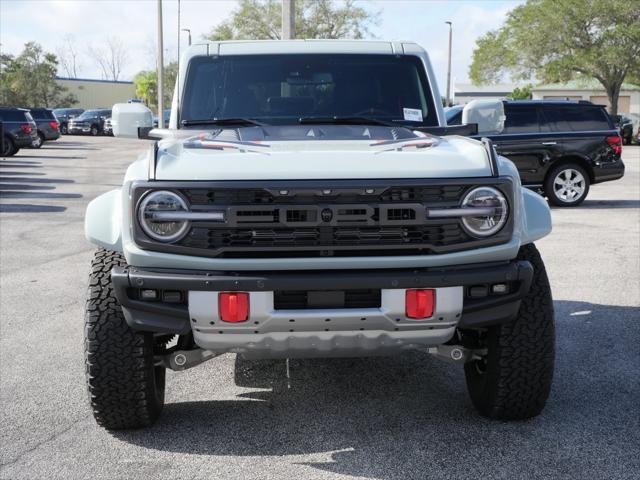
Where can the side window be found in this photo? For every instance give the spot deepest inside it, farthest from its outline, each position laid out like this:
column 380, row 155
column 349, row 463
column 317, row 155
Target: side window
column 576, row 119
column 521, row 119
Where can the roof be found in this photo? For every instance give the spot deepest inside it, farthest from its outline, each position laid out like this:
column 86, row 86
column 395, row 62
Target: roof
column 581, row 84
column 94, row 80
column 244, row 47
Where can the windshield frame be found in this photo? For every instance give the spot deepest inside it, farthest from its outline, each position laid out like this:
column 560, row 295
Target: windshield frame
column 430, row 120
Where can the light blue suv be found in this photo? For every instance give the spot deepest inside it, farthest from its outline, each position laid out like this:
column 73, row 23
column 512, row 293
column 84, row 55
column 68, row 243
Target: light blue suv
column 308, row 200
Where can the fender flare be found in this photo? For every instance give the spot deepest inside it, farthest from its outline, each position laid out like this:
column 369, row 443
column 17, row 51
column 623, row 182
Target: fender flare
column 537, row 217
column 103, row 221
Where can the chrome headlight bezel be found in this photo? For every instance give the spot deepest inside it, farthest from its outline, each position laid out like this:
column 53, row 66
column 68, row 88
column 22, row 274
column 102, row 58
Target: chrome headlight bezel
column 143, row 205
column 501, row 205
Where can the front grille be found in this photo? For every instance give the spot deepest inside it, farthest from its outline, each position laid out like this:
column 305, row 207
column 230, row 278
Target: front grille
column 319, row 219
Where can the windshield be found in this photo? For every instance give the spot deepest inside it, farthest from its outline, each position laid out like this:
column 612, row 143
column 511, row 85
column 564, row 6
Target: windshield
column 90, row 114
column 280, row 89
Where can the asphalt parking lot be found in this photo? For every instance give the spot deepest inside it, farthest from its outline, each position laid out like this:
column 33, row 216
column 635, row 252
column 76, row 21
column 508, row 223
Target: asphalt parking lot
column 403, row 417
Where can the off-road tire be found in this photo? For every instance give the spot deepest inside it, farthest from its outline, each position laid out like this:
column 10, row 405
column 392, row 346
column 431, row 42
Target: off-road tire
column 513, row 381
column 126, row 390
column 8, row 148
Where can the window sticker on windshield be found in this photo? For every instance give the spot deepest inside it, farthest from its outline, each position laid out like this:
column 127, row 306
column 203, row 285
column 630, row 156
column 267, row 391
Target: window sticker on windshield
column 412, row 114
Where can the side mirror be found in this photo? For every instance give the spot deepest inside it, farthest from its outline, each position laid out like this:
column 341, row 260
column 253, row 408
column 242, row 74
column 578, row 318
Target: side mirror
column 126, row 118
column 487, row 114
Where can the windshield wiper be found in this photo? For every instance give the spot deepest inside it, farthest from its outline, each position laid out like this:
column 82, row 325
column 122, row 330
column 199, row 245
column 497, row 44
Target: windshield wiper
column 345, row 121
column 223, row 121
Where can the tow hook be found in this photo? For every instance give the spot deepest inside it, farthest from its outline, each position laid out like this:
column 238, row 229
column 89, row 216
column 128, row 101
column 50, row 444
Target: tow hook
column 183, row 359
column 455, row 353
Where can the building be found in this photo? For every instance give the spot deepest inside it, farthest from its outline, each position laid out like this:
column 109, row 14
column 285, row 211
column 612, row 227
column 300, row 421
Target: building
column 98, row 93
column 591, row 90
column 463, row 93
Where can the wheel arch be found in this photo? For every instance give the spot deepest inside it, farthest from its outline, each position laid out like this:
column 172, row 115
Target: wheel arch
column 572, row 159
column 103, row 221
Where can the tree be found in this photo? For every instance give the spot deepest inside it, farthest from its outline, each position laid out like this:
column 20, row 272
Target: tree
column 262, row 20
column 111, row 59
column 28, row 80
column 68, row 56
column 558, row 41
column 523, row 93
column 146, row 83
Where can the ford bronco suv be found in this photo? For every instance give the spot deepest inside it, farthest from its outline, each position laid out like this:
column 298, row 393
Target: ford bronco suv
column 308, row 200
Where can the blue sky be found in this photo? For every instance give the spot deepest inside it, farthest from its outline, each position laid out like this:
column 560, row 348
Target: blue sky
column 90, row 22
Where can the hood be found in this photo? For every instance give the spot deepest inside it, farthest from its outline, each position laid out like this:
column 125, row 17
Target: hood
column 318, row 155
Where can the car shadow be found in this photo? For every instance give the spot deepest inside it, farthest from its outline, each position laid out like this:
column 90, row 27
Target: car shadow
column 20, row 184
column 595, row 204
column 410, row 417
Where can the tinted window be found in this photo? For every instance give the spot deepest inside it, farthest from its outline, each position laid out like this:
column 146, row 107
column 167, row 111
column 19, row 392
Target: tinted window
column 12, row 115
column 575, row 119
column 42, row 114
column 521, row 119
column 282, row 88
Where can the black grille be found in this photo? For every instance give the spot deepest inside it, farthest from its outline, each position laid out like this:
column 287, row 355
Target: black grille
column 318, row 219
column 304, row 300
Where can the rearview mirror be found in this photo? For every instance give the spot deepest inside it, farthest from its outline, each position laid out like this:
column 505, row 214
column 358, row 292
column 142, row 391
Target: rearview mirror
column 487, row 114
column 126, row 118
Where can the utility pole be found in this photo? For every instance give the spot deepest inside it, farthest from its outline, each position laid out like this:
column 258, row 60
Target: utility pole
column 448, row 95
column 160, row 68
column 288, row 19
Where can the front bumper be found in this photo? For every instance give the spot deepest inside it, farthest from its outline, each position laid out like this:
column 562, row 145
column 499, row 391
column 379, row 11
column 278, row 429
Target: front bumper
column 321, row 332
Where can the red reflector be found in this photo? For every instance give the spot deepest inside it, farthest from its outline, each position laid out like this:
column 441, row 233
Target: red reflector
column 420, row 303
column 53, row 124
column 615, row 143
column 233, row 306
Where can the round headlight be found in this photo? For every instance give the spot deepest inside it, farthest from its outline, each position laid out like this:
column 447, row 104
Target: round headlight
column 489, row 200
column 157, row 216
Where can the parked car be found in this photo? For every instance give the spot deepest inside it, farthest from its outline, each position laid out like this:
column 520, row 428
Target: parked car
column 625, row 125
column 64, row 115
column 453, row 114
column 560, row 147
column 166, row 114
column 18, row 130
column 90, row 122
column 47, row 124
column 107, row 129
column 299, row 213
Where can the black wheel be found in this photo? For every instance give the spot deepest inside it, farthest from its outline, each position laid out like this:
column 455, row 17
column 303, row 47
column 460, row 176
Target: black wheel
column 94, row 130
column 513, row 380
column 567, row 185
column 38, row 142
column 126, row 389
column 8, row 147
column 63, row 129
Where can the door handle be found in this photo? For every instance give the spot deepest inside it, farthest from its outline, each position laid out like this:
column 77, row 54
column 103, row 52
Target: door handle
column 549, row 143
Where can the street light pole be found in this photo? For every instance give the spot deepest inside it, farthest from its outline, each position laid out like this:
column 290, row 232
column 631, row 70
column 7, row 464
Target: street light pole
column 160, row 68
column 288, row 19
column 448, row 95
column 188, row 30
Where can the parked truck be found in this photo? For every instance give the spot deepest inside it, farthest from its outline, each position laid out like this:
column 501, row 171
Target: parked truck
column 300, row 204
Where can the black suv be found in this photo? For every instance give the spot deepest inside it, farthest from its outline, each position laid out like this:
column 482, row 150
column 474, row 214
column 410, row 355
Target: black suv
column 48, row 126
column 625, row 124
column 559, row 147
column 90, row 122
column 64, row 115
column 18, row 130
